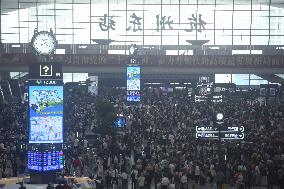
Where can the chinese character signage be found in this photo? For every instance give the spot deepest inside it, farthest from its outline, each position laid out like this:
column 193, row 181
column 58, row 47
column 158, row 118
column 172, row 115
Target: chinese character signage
column 195, row 23
column 205, row 61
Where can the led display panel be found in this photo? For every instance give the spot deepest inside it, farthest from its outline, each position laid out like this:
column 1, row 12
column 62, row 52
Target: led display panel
column 133, row 83
column 45, row 161
column 45, row 114
column 133, row 78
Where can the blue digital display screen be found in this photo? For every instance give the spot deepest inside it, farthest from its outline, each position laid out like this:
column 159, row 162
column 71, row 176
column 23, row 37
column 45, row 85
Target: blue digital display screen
column 133, row 78
column 45, row 161
column 133, row 96
column 133, row 83
column 120, row 122
column 45, row 114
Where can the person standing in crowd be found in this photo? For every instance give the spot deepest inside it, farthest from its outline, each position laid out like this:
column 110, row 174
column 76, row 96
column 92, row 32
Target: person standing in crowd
column 124, row 178
column 271, row 176
column 8, row 169
column 159, row 140
column 108, row 180
column 99, row 181
column 240, row 181
column 1, row 172
column 22, row 186
column 115, row 177
column 281, row 176
column 22, row 170
column 212, row 173
column 165, row 182
column 219, row 179
column 172, row 184
column 257, row 175
column 183, row 181
column 78, row 165
column 248, row 178
column 197, row 174
column 134, row 177
column 157, row 176
column 141, row 181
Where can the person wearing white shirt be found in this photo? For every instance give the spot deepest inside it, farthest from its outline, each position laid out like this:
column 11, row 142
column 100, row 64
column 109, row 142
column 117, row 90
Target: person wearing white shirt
column 257, row 175
column 85, row 143
column 172, row 168
column 197, row 173
column 172, row 185
column 165, row 182
column 124, row 178
column 212, row 173
column 183, row 181
column 76, row 143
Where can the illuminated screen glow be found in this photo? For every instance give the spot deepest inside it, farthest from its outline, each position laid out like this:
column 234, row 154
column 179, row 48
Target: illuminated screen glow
column 133, row 96
column 133, row 78
column 133, row 83
column 120, row 122
column 45, row 161
column 45, row 114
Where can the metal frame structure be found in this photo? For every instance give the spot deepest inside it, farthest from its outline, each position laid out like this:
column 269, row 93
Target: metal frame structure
column 44, row 12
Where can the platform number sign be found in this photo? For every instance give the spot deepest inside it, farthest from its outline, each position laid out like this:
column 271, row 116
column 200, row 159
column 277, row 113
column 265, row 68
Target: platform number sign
column 133, row 61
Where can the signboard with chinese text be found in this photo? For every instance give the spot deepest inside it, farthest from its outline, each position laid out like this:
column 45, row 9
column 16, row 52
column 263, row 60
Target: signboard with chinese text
column 225, row 132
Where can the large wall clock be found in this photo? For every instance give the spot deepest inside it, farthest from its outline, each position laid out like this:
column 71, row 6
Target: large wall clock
column 44, row 42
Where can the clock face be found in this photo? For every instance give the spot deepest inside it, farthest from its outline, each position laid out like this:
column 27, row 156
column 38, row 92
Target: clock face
column 44, row 43
column 219, row 116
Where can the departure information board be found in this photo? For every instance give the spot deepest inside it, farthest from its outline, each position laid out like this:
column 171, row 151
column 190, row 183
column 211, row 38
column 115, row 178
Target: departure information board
column 224, row 132
column 45, row 161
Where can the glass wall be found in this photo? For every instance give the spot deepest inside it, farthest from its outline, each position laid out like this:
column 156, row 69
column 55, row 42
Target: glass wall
column 240, row 79
column 75, row 77
column 146, row 22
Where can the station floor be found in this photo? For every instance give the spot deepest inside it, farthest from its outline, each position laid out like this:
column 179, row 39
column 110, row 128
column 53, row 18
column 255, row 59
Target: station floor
column 10, row 183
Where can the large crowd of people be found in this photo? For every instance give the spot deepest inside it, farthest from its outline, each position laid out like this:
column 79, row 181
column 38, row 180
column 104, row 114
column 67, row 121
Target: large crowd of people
column 158, row 147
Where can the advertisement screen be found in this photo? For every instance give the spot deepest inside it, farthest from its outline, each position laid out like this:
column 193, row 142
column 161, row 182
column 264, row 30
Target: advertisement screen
column 45, row 161
column 45, row 114
column 133, row 83
column 133, row 78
